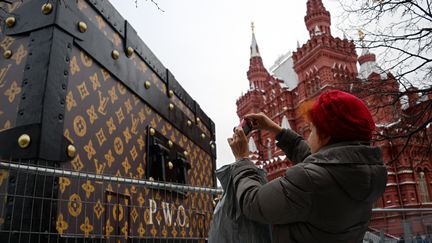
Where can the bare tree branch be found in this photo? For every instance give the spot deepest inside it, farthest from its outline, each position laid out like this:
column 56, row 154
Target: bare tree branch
column 152, row 1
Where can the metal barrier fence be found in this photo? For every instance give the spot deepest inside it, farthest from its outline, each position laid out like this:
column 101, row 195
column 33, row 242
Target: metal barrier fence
column 394, row 225
column 39, row 203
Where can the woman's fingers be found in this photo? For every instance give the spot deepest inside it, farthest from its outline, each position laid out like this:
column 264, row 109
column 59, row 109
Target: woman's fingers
column 240, row 133
column 258, row 120
column 252, row 116
column 238, row 144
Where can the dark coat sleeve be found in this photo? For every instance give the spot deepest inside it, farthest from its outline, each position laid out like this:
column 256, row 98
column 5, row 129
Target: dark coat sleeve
column 284, row 200
column 294, row 146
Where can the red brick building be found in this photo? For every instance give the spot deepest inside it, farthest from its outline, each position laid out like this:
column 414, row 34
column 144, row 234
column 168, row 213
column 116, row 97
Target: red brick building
column 326, row 62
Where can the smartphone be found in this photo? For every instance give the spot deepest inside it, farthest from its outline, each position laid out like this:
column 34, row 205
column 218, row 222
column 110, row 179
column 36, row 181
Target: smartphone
column 246, row 125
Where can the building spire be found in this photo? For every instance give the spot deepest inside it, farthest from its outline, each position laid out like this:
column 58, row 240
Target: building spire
column 367, row 61
column 317, row 17
column 257, row 74
column 254, row 45
column 315, row 6
column 361, row 35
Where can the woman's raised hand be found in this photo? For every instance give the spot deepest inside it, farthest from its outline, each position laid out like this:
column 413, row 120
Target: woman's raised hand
column 239, row 145
column 263, row 122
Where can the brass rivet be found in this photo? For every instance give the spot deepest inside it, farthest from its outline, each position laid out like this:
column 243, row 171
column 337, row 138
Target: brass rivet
column 203, row 135
column 170, row 93
column 151, row 178
column 189, row 123
column 7, row 54
column 47, row 8
column 71, row 151
column 115, row 54
column 24, row 141
column 170, row 165
column 147, row 84
column 171, row 106
column 129, row 51
column 152, row 131
column 185, row 153
column 82, row 27
column 198, row 119
column 10, row 21
column 170, row 144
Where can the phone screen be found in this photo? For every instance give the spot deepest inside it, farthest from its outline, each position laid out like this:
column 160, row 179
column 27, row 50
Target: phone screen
column 247, row 128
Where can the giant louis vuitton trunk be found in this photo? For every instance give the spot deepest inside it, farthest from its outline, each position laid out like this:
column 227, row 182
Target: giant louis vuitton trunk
column 98, row 140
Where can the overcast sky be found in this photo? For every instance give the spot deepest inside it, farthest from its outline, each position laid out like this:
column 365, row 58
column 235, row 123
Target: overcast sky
column 205, row 44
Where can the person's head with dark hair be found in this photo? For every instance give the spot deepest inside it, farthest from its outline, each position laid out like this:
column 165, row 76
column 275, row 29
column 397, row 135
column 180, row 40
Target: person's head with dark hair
column 337, row 116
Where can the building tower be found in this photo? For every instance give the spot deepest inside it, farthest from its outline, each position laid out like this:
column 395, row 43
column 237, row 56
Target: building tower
column 324, row 60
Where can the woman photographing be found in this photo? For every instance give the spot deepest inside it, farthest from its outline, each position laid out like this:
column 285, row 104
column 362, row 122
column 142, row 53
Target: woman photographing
column 327, row 195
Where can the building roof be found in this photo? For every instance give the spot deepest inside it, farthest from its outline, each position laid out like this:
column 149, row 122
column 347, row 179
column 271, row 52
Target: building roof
column 370, row 66
column 283, row 69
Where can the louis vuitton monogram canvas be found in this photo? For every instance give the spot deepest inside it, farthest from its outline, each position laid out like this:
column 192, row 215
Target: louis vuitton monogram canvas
column 106, row 122
column 14, row 56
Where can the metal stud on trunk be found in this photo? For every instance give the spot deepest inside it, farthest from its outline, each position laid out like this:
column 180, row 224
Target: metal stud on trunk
column 7, row 54
column 152, row 132
column 147, row 84
column 24, row 141
column 129, row 51
column 71, row 151
column 82, row 27
column 10, row 21
column 115, row 54
column 170, row 93
column 47, row 8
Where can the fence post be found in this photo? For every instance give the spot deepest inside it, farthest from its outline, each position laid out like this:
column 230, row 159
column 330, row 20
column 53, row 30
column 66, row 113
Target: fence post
column 407, row 232
column 382, row 237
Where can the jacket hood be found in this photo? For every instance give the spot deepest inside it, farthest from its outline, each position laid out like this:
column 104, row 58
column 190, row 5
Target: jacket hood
column 357, row 168
column 224, row 176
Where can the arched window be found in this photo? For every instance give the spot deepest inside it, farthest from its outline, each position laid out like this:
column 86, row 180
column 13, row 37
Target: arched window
column 285, row 124
column 317, row 85
column 314, row 85
column 252, row 145
column 310, row 84
column 269, row 152
column 424, row 191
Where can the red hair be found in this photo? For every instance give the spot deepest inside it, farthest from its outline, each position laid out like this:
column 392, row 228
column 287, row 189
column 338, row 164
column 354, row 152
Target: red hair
column 305, row 111
column 340, row 115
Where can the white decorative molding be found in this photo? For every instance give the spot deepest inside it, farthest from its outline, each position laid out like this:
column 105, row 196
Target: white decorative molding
column 408, row 183
column 404, row 172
